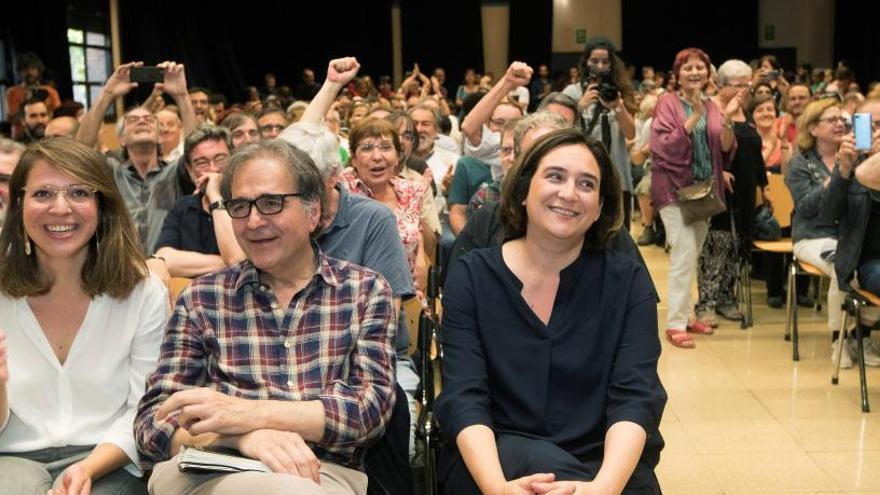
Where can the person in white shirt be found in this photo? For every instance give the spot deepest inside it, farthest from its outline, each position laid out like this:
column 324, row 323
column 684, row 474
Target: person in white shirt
column 83, row 321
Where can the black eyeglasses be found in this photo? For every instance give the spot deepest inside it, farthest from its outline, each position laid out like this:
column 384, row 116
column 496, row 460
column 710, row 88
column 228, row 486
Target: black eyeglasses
column 267, row 204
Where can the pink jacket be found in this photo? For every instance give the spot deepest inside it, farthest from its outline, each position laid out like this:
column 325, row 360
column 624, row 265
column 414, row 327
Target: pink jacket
column 672, row 149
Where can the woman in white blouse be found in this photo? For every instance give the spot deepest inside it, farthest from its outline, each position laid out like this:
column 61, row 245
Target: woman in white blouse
column 83, row 322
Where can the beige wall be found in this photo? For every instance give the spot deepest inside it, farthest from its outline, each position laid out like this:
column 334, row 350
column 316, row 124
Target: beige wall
column 496, row 26
column 807, row 25
column 597, row 17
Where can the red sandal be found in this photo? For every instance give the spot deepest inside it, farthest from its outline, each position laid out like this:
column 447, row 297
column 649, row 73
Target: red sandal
column 699, row 328
column 680, row 338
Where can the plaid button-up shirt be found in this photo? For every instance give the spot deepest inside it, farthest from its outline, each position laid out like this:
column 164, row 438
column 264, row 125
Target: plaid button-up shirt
column 334, row 343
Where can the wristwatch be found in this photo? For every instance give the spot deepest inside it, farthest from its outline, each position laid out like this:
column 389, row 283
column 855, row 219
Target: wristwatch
column 216, row 205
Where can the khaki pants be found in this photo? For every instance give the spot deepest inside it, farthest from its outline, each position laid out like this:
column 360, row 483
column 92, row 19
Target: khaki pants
column 335, row 480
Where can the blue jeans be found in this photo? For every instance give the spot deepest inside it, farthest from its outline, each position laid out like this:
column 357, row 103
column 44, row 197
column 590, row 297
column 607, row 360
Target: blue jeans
column 869, row 276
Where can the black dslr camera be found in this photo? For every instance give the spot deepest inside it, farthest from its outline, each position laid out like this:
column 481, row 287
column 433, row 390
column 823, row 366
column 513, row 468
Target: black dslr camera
column 607, row 89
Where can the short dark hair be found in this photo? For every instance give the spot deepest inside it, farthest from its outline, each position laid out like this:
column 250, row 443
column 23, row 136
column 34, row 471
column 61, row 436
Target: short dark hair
column 308, row 179
column 198, row 89
column 29, row 59
column 202, row 133
column 268, row 110
column 372, row 127
column 515, row 188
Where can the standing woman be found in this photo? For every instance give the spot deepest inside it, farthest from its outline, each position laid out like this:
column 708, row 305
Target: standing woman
column 717, row 274
column 83, row 323
column 608, row 111
column 550, row 340
column 691, row 139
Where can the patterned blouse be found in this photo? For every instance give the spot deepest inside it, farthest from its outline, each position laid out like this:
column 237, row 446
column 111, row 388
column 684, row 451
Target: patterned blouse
column 410, row 195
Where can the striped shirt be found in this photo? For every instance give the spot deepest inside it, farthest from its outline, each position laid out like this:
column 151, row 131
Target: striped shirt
column 333, row 343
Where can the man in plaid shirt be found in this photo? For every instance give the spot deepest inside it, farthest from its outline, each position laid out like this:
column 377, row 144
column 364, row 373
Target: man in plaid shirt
column 287, row 357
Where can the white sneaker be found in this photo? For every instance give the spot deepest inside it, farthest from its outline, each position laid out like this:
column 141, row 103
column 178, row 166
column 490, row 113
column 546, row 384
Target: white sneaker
column 846, row 361
column 872, row 354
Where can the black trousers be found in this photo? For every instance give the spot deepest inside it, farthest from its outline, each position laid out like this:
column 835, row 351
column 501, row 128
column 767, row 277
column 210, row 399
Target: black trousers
column 522, row 456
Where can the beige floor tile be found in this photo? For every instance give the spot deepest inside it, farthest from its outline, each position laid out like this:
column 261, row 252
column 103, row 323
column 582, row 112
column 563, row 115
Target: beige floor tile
column 836, row 434
column 740, row 436
column 677, row 442
column 706, row 405
column 686, row 474
column 753, row 474
column 851, row 470
column 819, row 402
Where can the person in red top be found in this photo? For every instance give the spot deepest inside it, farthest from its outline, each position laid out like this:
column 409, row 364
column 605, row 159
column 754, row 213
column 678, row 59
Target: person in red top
column 30, row 69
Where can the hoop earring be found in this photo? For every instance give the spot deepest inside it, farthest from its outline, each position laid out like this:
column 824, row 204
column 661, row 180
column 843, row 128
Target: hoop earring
column 27, row 245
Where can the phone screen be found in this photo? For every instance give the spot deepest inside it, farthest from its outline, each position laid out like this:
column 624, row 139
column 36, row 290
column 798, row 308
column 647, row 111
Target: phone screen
column 862, row 130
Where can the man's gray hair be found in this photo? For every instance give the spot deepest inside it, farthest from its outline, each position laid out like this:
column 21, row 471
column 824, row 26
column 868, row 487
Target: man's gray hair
column 733, row 69
column 438, row 119
column 538, row 120
column 308, row 181
column 319, row 143
column 10, row 147
column 202, row 133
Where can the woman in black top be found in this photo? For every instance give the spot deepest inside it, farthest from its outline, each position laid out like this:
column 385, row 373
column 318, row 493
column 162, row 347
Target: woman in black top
column 550, row 340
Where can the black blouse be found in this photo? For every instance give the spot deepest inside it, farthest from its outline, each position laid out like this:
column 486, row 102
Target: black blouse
column 593, row 365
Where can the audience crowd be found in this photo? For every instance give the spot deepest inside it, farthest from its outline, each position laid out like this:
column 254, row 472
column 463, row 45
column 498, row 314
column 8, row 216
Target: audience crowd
column 305, row 221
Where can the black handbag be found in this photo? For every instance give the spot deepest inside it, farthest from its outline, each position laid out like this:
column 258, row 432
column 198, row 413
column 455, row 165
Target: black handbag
column 700, row 201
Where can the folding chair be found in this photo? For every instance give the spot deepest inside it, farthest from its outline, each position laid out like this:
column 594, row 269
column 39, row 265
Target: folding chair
column 853, row 303
column 783, row 205
column 795, row 268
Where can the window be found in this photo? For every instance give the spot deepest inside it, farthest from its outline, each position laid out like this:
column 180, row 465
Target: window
column 90, row 63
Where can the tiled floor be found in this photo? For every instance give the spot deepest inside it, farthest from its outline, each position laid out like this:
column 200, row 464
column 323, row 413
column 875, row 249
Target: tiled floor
column 743, row 418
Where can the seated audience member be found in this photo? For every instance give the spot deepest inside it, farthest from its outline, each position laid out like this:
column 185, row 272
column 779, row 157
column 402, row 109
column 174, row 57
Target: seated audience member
column 197, row 235
column 587, row 418
column 824, row 145
column 356, row 228
column 62, row 126
column 270, row 122
column 35, row 115
column 483, row 229
column 170, row 134
column 441, row 163
column 562, row 105
column 856, row 209
column 30, row 69
column 640, row 156
column 333, row 321
column 491, row 191
column 796, row 100
column 375, row 150
column 70, row 379
column 198, row 97
column 148, row 184
column 482, row 144
column 242, row 127
column 10, row 152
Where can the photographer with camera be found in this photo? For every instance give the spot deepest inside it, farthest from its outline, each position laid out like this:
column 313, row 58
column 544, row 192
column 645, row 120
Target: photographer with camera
column 606, row 99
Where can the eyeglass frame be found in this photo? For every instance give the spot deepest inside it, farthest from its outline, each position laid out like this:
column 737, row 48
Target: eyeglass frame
column 227, row 205
column 55, row 191
column 201, row 163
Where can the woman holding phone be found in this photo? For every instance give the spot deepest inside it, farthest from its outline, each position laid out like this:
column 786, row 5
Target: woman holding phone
column 70, row 380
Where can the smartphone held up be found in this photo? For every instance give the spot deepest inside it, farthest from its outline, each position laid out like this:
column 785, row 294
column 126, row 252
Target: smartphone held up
column 147, row 74
column 862, row 130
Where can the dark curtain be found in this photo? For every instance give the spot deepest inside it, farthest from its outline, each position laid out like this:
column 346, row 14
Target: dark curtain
column 531, row 32
column 447, row 34
column 39, row 27
column 653, row 32
column 227, row 47
column 857, row 40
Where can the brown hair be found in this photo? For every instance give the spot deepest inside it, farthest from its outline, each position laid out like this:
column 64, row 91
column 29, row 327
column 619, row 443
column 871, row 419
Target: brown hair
column 113, row 269
column 808, row 118
column 372, row 127
column 515, row 188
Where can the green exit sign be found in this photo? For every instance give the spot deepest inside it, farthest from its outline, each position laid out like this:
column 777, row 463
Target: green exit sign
column 769, row 32
column 580, row 35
